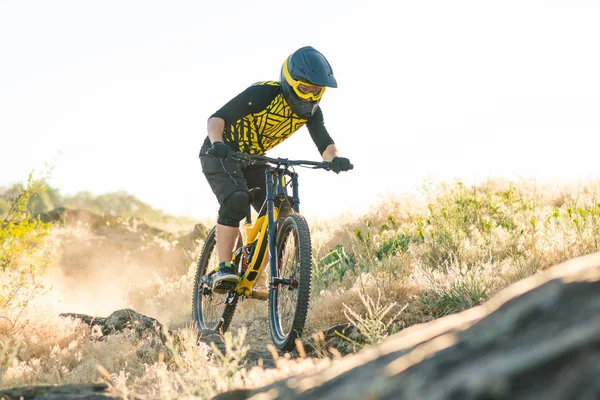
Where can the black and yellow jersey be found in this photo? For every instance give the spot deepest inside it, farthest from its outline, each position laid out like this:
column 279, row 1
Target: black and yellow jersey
column 259, row 118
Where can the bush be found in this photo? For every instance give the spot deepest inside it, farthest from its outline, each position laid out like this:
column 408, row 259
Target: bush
column 120, row 204
column 440, row 300
column 460, row 244
column 336, row 265
column 21, row 237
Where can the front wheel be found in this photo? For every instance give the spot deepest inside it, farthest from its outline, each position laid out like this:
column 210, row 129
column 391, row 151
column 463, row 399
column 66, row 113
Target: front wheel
column 290, row 294
column 212, row 312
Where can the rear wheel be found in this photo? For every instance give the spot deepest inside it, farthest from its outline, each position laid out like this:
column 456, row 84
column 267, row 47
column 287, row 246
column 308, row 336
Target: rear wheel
column 290, row 295
column 212, row 312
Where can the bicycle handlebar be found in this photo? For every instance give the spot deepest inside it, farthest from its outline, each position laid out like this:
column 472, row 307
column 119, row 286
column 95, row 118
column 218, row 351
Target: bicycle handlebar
column 283, row 161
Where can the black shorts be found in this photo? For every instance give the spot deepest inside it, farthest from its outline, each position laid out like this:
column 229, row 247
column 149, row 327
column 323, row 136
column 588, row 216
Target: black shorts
column 227, row 176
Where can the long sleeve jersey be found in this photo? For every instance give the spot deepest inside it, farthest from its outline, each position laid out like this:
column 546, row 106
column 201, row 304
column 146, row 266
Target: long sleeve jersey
column 259, row 118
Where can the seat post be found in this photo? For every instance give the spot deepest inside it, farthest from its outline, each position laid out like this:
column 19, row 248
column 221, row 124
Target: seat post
column 251, row 194
column 248, row 224
column 249, row 213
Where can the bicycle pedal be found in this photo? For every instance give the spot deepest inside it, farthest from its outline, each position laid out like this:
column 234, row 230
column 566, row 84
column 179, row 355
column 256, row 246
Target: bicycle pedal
column 224, row 286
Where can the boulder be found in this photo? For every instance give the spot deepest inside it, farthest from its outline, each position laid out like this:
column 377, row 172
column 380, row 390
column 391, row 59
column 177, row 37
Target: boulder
column 537, row 339
column 87, row 391
column 120, row 320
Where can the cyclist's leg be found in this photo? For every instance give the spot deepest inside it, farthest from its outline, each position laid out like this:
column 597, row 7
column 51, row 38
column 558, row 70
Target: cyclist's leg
column 229, row 186
column 231, row 212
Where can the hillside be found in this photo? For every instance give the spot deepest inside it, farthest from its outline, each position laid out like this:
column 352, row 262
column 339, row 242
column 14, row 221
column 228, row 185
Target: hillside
column 112, row 281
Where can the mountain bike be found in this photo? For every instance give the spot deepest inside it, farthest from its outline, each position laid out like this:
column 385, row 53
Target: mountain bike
column 282, row 233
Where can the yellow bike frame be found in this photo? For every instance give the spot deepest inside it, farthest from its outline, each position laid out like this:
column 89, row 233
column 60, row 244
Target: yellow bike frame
column 260, row 236
column 255, row 232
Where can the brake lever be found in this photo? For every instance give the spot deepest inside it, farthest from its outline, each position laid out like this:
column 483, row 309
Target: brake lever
column 242, row 160
column 326, row 166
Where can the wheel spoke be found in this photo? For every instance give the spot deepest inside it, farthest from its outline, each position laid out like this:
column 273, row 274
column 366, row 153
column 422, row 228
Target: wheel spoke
column 213, row 304
column 290, row 295
column 211, row 311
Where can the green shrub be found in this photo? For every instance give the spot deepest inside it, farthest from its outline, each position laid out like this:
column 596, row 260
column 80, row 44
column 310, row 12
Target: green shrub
column 466, row 223
column 459, row 296
column 336, row 264
column 397, row 243
column 21, row 237
column 375, row 324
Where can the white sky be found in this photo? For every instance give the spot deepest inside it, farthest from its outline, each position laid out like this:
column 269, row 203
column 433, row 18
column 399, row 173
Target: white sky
column 116, row 93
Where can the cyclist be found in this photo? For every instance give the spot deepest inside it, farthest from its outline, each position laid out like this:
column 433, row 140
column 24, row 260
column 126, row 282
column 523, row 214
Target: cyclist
column 256, row 120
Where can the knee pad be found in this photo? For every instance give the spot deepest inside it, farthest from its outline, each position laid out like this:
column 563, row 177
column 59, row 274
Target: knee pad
column 234, row 209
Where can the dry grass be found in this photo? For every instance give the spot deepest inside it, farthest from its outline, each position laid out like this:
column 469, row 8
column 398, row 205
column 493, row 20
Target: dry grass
column 444, row 250
column 327, row 308
column 53, row 350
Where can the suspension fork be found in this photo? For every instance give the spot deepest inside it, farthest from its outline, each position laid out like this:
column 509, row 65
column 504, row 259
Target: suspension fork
column 275, row 279
column 271, row 219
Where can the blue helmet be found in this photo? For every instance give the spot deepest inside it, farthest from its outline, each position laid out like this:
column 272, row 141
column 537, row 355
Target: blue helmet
column 304, row 76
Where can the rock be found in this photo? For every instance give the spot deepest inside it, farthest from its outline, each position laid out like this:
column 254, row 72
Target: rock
column 342, row 337
column 537, row 339
column 120, row 320
column 129, row 319
column 87, row 319
column 87, row 391
column 348, row 330
column 145, row 350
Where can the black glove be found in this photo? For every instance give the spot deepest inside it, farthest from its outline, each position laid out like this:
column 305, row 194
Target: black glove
column 339, row 164
column 219, row 149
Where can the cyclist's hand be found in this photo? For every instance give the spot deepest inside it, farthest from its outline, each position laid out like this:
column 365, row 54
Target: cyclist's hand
column 339, row 164
column 219, row 149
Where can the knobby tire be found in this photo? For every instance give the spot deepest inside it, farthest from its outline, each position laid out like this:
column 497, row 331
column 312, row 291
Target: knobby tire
column 214, row 303
column 287, row 321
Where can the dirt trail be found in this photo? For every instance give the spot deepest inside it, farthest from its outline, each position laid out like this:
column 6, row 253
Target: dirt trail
column 118, row 251
column 252, row 315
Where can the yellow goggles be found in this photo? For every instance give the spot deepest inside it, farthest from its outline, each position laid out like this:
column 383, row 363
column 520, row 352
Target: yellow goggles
column 306, row 91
